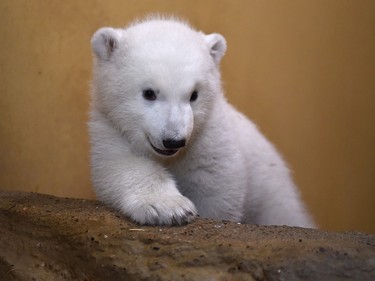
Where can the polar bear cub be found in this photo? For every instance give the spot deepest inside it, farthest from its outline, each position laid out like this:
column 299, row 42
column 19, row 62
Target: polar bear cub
column 165, row 143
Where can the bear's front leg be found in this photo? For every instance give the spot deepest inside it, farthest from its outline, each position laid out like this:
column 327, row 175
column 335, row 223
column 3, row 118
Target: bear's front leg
column 137, row 186
column 142, row 190
column 157, row 202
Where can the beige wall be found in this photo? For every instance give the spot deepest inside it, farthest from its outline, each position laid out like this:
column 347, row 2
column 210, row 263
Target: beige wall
column 303, row 70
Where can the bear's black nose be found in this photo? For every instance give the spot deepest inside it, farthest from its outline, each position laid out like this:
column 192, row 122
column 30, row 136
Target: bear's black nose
column 174, row 144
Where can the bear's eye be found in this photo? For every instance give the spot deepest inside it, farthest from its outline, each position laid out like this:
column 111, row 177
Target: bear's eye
column 194, row 96
column 149, row 94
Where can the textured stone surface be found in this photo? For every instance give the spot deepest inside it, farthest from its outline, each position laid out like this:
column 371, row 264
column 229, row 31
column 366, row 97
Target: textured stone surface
column 49, row 238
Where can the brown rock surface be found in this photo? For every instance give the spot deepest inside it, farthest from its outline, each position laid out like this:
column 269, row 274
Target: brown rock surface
column 49, row 238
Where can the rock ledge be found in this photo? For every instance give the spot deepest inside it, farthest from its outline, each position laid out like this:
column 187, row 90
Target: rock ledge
column 50, row 238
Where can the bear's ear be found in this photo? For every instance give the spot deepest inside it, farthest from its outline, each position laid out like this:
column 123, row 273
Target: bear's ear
column 217, row 45
column 104, row 42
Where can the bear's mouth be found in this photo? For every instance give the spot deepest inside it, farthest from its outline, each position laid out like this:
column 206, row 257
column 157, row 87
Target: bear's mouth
column 164, row 152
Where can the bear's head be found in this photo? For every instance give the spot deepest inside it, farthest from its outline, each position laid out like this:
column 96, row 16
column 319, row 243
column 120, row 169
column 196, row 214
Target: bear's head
column 157, row 82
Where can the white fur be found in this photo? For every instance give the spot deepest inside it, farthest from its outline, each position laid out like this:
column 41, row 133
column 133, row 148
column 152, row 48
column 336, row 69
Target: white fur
column 227, row 169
